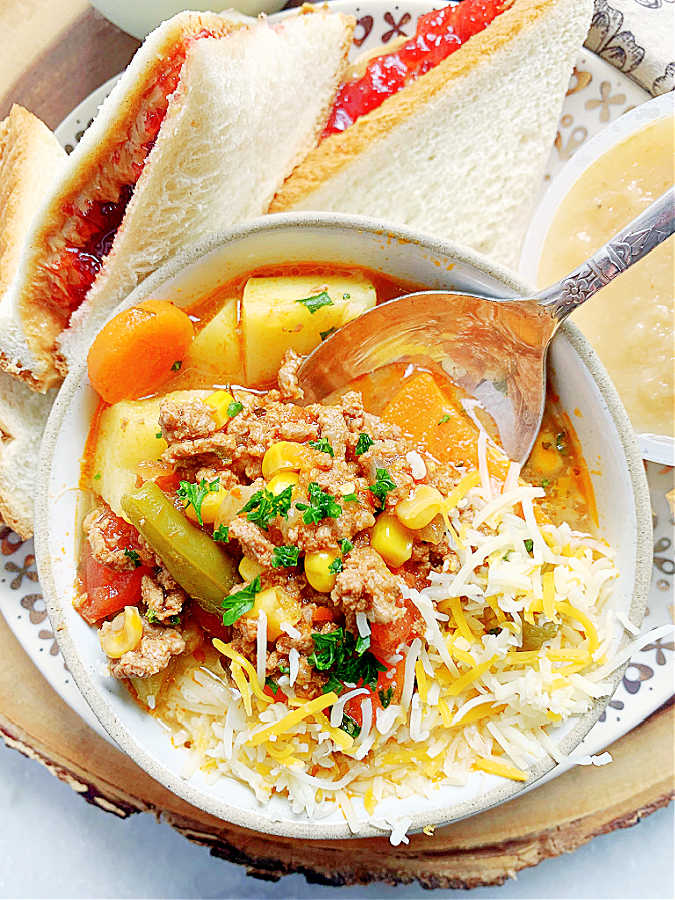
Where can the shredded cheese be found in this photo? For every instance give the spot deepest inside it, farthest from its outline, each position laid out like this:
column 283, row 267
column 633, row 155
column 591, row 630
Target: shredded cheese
column 499, row 767
column 293, row 718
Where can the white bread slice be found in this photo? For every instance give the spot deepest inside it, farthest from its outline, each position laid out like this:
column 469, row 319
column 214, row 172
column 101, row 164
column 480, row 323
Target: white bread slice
column 460, row 152
column 248, row 109
column 23, row 415
column 30, row 160
column 29, row 321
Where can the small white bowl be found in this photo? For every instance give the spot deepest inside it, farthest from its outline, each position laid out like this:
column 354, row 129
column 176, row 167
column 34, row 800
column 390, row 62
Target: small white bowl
column 656, row 447
column 603, row 429
column 139, row 17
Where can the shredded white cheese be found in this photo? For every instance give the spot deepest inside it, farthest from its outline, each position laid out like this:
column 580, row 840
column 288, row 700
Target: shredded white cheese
column 293, row 665
column 261, row 647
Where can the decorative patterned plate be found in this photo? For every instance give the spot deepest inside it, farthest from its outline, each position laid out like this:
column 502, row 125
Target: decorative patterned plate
column 598, row 93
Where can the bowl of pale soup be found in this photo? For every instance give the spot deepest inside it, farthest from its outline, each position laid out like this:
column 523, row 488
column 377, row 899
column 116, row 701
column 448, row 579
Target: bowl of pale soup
column 610, row 181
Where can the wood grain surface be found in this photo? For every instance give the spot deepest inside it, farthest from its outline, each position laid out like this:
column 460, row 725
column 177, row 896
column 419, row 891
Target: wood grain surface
column 483, row 850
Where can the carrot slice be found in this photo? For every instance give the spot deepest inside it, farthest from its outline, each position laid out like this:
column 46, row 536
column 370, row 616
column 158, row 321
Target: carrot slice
column 433, row 417
column 137, row 351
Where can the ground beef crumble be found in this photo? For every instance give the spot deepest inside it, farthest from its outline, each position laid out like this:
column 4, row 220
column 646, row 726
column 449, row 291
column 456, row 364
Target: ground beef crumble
column 233, row 455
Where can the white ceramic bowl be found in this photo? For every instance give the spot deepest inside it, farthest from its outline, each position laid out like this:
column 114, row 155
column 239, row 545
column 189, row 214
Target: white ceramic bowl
column 658, row 448
column 603, row 428
column 139, row 17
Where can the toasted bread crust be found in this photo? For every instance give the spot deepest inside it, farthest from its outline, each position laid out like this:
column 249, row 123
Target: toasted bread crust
column 29, row 156
column 41, row 322
column 337, row 150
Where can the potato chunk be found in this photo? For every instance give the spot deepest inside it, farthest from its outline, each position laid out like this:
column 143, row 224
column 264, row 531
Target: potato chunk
column 216, row 351
column 292, row 312
column 127, row 435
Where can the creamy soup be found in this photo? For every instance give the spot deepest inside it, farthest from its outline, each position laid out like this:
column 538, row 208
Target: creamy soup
column 631, row 323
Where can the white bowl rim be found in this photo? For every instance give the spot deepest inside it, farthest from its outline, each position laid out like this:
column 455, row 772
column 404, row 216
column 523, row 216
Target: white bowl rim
column 659, row 448
column 251, row 817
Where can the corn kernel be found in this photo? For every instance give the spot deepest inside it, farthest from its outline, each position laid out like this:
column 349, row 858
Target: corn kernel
column 546, row 460
column 281, row 481
column 219, row 401
column 123, row 634
column 392, row 540
column 249, row 568
column 317, row 570
column 210, row 506
column 279, row 607
column 420, row 509
column 281, row 456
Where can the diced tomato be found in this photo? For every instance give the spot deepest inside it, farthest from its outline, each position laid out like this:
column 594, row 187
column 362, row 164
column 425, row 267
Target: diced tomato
column 386, row 637
column 439, row 33
column 108, row 590
column 385, row 681
column 212, row 623
column 322, row 614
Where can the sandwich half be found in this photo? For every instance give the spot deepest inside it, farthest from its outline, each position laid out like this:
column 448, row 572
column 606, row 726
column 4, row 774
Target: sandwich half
column 182, row 147
column 459, row 148
column 31, row 160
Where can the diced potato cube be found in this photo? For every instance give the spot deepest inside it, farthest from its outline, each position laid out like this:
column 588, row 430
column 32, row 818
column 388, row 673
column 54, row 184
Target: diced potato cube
column 216, row 350
column 127, row 435
column 291, row 312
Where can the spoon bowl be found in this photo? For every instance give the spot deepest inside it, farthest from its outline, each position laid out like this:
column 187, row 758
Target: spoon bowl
column 495, row 350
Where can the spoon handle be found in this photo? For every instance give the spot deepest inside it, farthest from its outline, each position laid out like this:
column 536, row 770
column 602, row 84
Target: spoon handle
column 636, row 240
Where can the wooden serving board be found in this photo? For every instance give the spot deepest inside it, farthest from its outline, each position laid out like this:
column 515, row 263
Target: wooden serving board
column 483, row 850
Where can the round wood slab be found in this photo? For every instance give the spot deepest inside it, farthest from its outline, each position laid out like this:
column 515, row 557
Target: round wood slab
column 483, row 850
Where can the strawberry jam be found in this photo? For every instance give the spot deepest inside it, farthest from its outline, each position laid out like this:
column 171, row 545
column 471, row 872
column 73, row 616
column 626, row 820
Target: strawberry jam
column 439, row 33
column 91, row 222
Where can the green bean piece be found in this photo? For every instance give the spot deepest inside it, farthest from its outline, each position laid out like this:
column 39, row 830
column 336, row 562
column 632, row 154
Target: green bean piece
column 200, row 566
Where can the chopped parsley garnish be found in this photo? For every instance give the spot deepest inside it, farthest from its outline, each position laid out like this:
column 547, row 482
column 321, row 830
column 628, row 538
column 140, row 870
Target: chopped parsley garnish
column 177, row 365
column 365, row 442
column 529, row 544
column 175, row 620
column 333, row 684
column 346, row 545
column 560, row 444
column 239, row 603
column 495, row 630
column 234, row 408
column 285, row 556
column 194, row 494
column 385, row 696
column 272, row 685
column 222, row 534
column 350, row 498
column 345, row 658
column 316, row 301
column 350, row 726
column 133, row 556
column 444, row 419
column 151, row 616
column 545, row 482
column 158, row 434
column 327, row 333
column 265, row 506
column 283, row 669
column 384, row 484
column 97, row 476
column 321, row 505
column 323, row 445
column 335, row 566
column 346, row 296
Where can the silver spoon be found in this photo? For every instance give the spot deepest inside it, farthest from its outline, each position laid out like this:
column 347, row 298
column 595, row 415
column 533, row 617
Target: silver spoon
column 493, row 349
